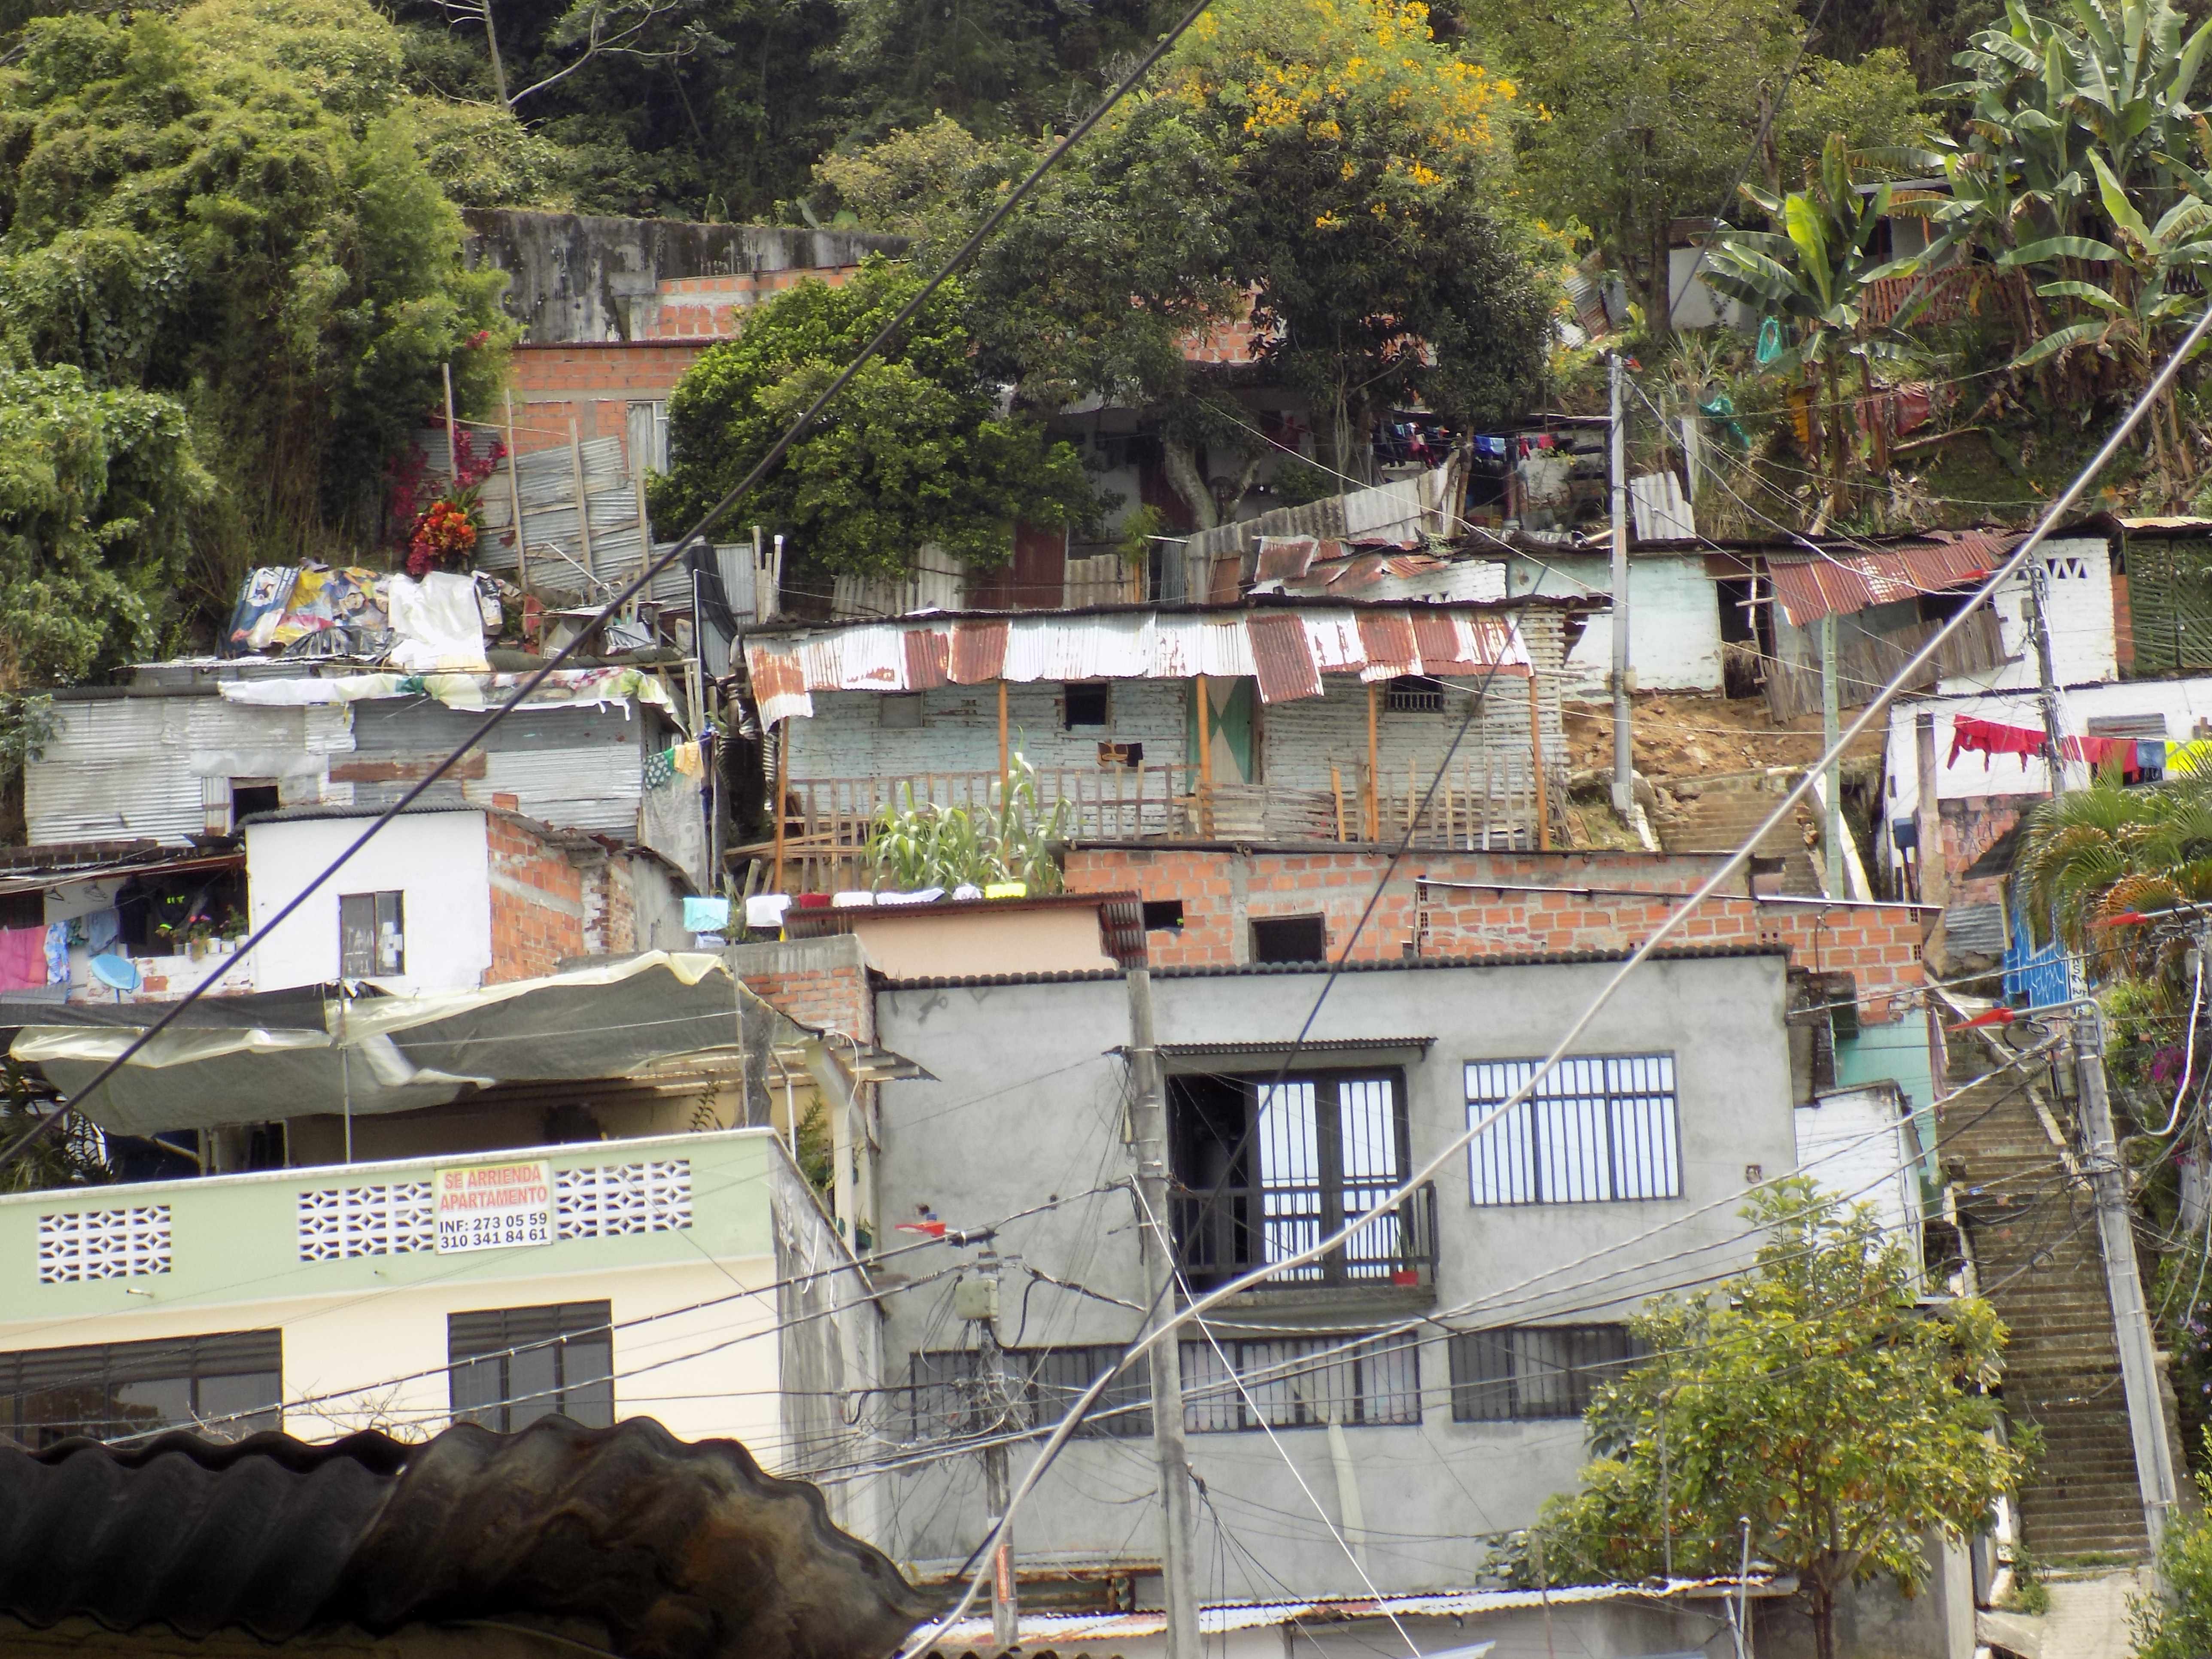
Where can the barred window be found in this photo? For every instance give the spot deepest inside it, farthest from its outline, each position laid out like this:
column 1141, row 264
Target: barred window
column 510, row 1366
column 1597, row 1130
column 1301, row 1382
column 1536, row 1370
column 950, row 1396
column 226, row 1386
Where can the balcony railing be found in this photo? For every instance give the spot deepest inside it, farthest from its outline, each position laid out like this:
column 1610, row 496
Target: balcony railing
column 1482, row 803
column 1222, row 1234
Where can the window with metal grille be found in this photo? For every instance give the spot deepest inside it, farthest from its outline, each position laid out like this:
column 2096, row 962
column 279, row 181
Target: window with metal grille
column 1300, row 1382
column 949, row 1397
column 1536, row 1370
column 1266, row 1168
column 227, row 1386
column 1412, row 694
column 372, row 935
column 1598, row 1130
column 510, row 1366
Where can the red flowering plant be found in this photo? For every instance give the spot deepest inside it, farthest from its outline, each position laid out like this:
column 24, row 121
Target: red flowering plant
column 444, row 533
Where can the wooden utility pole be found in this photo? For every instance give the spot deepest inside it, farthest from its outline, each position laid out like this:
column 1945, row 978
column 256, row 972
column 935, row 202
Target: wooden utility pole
column 1003, row 1418
column 1005, row 760
column 2047, row 674
column 1204, row 759
column 1148, row 1119
column 1374, row 765
column 1928, row 820
column 1624, row 676
column 514, row 501
column 1832, row 807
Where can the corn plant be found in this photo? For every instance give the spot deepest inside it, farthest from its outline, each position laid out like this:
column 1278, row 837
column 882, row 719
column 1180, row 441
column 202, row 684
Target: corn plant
column 915, row 844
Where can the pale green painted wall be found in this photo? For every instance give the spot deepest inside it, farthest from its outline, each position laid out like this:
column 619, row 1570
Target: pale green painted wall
column 1896, row 1052
column 235, row 1238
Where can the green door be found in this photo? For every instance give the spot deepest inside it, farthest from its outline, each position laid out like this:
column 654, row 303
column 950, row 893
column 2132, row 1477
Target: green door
column 1231, row 726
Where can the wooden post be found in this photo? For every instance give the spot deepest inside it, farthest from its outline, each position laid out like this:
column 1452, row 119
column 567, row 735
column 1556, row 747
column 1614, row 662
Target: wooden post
column 1336, row 789
column 782, row 784
column 1004, row 760
column 1204, row 760
column 514, row 501
column 1410, row 802
column 1374, row 796
column 452, row 443
column 583, row 503
column 1536, row 748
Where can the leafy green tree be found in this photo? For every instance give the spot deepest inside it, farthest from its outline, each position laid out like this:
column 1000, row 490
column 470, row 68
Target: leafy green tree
column 1647, row 113
column 1326, row 173
column 250, row 230
column 95, row 489
column 2175, row 1621
column 915, row 453
column 1811, row 1397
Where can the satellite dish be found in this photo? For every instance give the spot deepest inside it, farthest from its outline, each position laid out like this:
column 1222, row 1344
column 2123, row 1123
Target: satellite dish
column 118, row 972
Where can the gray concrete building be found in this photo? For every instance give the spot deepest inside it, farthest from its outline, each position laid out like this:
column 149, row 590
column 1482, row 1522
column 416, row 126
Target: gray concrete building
column 1492, row 1304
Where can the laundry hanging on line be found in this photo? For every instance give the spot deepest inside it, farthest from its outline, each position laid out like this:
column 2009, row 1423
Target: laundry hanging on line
column 1988, row 738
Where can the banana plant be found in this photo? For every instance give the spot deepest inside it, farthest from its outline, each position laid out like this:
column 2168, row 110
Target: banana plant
column 2155, row 282
column 1814, row 275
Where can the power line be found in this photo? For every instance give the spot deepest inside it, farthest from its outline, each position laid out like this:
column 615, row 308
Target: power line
column 696, row 537
column 1786, row 806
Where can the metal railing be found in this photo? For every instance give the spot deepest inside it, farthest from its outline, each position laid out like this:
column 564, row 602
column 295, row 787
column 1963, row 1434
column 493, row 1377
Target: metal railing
column 1222, row 1234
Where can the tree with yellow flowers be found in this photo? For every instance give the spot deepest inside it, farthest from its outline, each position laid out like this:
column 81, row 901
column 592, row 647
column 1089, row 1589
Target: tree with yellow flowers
column 1324, row 168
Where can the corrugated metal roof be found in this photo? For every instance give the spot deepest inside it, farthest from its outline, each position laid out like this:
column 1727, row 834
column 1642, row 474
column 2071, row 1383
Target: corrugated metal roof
column 1398, row 965
column 1840, row 585
column 682, row 1551
column 1287, row 650
column 1063, row 1630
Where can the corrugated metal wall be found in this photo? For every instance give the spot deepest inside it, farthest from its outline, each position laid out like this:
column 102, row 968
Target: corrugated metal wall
column 577, row 768
column 139, row 766
column 959, row 732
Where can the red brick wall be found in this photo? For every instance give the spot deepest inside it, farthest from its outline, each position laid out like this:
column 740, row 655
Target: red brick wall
column 537, row 903
column 594, row 384
column 1222, row 892
column 825, row 987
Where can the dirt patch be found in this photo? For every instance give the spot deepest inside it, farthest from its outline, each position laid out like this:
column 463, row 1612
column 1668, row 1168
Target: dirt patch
column 1685, row 736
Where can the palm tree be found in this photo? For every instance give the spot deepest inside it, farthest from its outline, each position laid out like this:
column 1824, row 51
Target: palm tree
column 2096, row 854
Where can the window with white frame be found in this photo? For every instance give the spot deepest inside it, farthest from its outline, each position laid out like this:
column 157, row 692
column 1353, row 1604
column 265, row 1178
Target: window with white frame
column 1598, row 1129
column 372, row 935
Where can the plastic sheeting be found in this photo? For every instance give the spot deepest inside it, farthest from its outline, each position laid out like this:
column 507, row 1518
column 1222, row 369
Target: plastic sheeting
column 392, row 1055
column 440, row 625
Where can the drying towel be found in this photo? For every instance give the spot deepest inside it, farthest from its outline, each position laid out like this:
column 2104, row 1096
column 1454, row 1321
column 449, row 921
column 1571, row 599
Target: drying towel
column 685, row 759
column 2098, row 751
column 22, row 957
column 2194, row 756
column 1987, row 737
column 705, row 915
column 57, row 953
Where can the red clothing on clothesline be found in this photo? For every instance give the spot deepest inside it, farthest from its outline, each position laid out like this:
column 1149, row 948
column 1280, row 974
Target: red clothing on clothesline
column 1987, row 737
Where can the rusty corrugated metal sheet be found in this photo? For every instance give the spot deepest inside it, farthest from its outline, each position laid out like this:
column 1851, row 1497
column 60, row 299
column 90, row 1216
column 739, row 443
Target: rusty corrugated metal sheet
column 978, row 653
column 1283, row 657
column 1840, row 585
column 1391, row 646
column 1286, row 650
column 1287, row 558
column 926, row 657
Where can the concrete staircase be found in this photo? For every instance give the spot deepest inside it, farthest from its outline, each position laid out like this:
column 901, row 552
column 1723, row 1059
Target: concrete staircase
column 2031, row 1227
column 1728, row 807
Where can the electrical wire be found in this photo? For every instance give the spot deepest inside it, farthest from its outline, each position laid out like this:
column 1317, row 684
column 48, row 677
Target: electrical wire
column 696, row 537
column 1321, row 1247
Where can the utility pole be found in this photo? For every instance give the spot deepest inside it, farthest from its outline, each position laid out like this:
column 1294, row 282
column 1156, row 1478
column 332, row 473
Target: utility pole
column 2040, row 613
column 2130, row 1319
column 1624, row 677
column 977, row 1302
column 1149, row 1121
column 1832, row 806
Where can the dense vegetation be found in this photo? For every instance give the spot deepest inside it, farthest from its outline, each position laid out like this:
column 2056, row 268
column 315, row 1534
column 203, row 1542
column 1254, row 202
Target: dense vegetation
column 230, row 278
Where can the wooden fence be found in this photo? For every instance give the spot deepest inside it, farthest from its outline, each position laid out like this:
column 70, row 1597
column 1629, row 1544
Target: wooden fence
column 1483, row 803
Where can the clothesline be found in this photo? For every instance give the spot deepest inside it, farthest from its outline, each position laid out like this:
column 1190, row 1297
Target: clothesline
column 1988, row 738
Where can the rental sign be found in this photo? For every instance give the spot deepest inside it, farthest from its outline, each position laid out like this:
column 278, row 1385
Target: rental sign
column 489, row 1206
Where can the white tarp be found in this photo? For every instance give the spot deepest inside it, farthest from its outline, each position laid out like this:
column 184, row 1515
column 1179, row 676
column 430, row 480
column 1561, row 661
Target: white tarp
column 439, row 624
